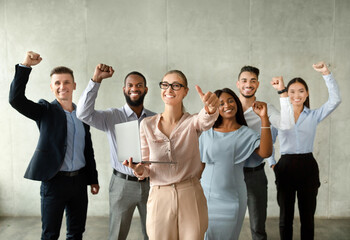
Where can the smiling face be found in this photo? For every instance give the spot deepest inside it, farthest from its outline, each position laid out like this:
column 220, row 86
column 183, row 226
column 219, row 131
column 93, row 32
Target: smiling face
column 171, row 97
column 134, row 90
column 228, row 106
column 297, row 94
column 62, row 85
column 247, row 84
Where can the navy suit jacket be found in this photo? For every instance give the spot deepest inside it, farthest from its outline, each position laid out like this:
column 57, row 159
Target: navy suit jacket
column 52, row 123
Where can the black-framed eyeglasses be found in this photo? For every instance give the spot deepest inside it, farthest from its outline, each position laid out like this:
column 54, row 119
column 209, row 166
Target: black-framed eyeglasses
column 175, row 86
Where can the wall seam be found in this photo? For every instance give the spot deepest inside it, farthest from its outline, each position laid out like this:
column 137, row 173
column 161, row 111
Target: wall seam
column 6, row 72
column 86, row 42
column 167, row 36
column 250, row 33
column 331, row 58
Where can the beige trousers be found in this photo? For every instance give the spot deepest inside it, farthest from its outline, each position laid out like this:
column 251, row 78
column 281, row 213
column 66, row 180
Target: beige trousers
column 177, row 212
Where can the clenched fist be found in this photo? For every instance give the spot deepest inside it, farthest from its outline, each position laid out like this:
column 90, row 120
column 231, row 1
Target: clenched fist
column 102, row 71
column 260, row 108
column 321, row 67
column 277, row 83
column 32, row 59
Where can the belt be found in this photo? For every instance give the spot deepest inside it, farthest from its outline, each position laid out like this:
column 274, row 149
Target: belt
column 70, row 174
column 254, row 169
column 128, row 177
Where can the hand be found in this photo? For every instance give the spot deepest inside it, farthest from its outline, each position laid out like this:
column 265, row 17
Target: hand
column 260, row 108
column 32, row 59
column 95, row 188
column 321, row 67
column 210, row 100
column 277, row 83
column 138, row 168
column 102, row 71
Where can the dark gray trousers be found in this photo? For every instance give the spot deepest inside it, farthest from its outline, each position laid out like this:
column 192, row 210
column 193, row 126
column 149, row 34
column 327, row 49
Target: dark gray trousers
column 256, row 182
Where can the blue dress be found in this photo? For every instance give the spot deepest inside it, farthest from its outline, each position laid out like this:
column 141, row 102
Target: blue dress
column 223, row 180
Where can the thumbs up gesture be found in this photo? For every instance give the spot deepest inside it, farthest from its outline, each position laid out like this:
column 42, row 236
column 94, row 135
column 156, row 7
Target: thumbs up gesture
column 210, row 100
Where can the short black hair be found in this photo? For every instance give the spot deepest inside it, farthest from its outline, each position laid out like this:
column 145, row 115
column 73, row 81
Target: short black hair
column 250, row 69
column 135, row 73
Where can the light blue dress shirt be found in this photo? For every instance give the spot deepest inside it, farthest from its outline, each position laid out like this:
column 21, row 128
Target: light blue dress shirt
column 74, row 158
column 300, row 138
column 106, row 120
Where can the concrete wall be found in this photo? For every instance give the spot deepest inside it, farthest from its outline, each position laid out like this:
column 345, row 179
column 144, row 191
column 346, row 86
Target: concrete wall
column 208, row 40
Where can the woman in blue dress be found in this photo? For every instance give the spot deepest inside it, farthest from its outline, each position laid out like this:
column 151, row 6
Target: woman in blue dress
column 224, row 148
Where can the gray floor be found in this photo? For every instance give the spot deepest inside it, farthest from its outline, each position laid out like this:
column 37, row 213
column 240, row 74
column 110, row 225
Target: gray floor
column 28, row 228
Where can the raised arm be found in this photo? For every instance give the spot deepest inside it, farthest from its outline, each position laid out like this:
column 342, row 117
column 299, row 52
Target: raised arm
column 17, row 97
column 265, row 148
column 285, row 118
column 86, row 106
column 334, row 98
column 208, row 115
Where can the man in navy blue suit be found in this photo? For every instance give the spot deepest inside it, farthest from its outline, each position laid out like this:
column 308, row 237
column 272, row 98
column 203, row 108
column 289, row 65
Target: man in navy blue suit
column 64, row 159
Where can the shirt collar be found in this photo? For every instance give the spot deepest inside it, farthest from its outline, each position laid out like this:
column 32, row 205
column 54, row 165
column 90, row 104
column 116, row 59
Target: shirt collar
column 130, row 112
column 306, row 110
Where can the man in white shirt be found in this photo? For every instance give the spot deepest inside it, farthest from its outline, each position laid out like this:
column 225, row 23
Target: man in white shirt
column 125, row 191
column 254, row 172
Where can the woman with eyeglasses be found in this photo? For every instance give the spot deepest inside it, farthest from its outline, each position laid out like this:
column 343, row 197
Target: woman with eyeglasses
column 176, row 207
column 297, row 172
column 224, row 149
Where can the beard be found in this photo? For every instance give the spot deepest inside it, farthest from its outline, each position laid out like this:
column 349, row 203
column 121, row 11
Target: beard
column 248, row 96
column 135, row 103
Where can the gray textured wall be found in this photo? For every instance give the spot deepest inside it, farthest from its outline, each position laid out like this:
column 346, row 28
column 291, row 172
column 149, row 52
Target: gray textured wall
column 208, row 40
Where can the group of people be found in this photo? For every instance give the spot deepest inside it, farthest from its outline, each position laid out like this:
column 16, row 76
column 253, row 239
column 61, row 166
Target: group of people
column 199, row 172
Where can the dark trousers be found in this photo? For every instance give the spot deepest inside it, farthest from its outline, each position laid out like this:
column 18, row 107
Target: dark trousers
column 297, row 175
column 59, row 194
column 256, row 182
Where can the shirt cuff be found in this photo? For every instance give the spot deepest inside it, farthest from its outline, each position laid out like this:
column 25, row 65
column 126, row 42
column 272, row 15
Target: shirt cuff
column 284, row 100
column 271, row 161
column 93, row 86
column 21, row 65
column 328, row 77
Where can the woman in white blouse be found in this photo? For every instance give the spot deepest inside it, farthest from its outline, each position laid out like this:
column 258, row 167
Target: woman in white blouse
column 297, row 171
column 176, row 207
